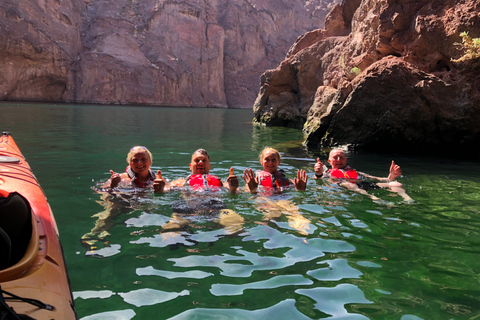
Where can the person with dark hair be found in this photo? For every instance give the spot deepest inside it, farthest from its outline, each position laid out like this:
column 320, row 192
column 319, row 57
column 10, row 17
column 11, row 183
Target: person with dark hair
column 200, row 197
column 200, row 179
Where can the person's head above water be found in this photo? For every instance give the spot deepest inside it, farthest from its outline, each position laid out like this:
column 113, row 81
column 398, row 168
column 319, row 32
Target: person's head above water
column 337, row 159
column 270, row 159
column 200, row 163
column 139, row 158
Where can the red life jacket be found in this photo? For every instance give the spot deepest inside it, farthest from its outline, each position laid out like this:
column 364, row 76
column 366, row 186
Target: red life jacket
column 203, row 181
column 272, row 180
column 345, row 173
column 136, row 181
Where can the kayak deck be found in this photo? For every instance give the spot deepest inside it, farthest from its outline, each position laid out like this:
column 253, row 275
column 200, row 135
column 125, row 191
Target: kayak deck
column 37, row 270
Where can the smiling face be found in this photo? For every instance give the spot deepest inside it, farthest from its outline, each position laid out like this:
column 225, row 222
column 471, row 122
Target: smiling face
column 337, row 159
column 200, row 163
column 140, row 162
column 270, row 160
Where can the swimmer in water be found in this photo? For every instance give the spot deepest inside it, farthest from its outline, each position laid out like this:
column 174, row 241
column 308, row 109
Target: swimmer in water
column 196, row 198
column 271, row 177
column 272, row 181
column 138, row 175
column 138, row 172
column 200, row 179
column 351, row 179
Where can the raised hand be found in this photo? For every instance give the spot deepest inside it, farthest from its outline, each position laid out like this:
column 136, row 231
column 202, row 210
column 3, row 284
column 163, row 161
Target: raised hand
column 159, row 183
column 115, row 179
column 250, row 180
column 395, row 171
column 318, row 168
column 232, row 181
column 301, row 180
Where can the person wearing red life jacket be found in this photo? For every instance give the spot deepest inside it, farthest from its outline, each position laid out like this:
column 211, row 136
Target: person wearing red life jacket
column 271, row 177
column 199, row 203
column 138, row 172
column 352, row 179
column 272, row 180
column 200, row 179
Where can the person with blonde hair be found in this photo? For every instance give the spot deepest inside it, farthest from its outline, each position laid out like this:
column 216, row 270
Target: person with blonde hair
column 138, row 172
column 271, row 177
column 273, row 180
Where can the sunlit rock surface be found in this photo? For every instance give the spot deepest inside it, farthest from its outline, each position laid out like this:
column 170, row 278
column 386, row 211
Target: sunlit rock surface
column 380, row 75
column 188, row 53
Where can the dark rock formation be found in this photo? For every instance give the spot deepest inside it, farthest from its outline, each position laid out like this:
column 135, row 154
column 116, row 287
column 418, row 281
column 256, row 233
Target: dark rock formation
column 156, row 52
column 381, row 75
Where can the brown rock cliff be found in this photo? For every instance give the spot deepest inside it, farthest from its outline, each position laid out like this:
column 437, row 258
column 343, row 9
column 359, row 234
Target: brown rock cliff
column 380, row 75
column 188, row 53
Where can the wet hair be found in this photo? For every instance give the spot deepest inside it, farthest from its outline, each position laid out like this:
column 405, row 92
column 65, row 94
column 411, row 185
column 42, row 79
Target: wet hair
column 136, row 150
column 266, row 149
column 202, row 152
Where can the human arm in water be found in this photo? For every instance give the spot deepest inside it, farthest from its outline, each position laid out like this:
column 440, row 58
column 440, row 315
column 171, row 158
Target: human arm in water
column 159, row 184
column 300, row 181
column 232, row 182
column 394, row 173
column 250, row 180
column 115, row 180
column 319, row 168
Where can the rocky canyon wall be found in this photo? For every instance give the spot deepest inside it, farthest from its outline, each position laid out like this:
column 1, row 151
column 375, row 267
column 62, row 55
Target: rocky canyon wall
column 382, row 74
column 153, row 52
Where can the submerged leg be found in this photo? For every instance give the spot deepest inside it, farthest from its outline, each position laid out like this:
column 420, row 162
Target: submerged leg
column 353, row 187
column 231, row 221
column 176, row 222
column 397, row 188
column 275, row 209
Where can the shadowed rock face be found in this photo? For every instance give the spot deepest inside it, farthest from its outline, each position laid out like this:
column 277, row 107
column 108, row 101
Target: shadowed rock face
column 407, row 94
column 189, row 53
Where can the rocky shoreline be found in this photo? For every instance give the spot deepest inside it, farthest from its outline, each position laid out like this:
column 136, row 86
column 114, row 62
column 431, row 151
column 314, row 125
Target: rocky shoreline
column 381, row 75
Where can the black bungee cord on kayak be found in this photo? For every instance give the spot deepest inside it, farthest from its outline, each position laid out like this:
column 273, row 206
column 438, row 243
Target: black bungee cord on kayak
column 7, row 313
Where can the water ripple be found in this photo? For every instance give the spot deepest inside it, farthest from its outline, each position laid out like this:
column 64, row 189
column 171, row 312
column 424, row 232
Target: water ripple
column 284, row 310
column 193, row 274
column 148, row 297
column 275, row 282
column 332, row 301
column 112, row 315
column 337, row 270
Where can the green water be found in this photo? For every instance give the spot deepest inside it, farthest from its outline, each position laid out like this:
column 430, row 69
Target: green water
column 330, row 253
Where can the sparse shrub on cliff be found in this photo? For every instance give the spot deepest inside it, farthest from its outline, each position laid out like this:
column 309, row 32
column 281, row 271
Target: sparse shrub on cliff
column 471, row 47
column 350, row 73
column 356, row 71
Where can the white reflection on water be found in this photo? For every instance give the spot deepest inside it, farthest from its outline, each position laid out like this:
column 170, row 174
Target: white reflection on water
column 275, row 282
column 283, row 310
column 193, row 274
column 112, row 315
column 337, row 270
column 105, row 252
column 148, row 297
column 333, row 300
column 299, row 250
column 89, row 294
column 146, row 219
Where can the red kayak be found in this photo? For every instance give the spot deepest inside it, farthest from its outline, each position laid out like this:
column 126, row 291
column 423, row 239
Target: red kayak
column 33, row 276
